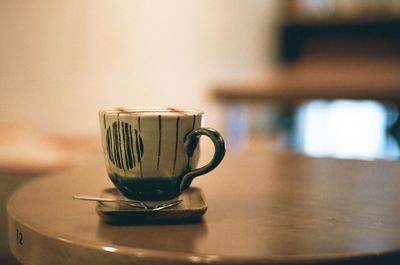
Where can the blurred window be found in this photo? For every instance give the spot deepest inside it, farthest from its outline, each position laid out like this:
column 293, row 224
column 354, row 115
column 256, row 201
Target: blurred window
column 344, row 128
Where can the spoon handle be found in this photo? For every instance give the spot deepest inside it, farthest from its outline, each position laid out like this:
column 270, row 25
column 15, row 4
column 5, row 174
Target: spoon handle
column 133, row 203
column 99, row 199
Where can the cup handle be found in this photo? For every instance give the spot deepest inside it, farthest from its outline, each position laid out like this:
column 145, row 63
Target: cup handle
column 191, row 142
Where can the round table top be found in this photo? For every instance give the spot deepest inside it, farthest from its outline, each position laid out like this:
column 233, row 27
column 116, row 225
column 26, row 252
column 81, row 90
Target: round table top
column 263, row 208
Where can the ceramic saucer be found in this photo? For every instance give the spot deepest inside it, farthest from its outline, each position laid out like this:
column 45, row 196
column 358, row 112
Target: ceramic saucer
column 191, row 209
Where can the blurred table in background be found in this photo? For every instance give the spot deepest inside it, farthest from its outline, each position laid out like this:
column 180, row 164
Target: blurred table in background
column 311, row 78
column 328, row 78
column 28, row 150
column 329, row 50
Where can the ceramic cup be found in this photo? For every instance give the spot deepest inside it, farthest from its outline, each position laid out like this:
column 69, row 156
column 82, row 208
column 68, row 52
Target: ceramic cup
column 151, row 154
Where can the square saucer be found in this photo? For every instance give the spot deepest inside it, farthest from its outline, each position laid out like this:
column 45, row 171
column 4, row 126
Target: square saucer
column 191, row 209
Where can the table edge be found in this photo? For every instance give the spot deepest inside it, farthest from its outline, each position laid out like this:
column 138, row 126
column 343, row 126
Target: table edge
column 128, row 253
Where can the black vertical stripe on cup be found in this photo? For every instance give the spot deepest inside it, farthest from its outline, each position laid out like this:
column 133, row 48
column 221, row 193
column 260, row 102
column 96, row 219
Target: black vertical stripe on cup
column 193, row 124
column 138, row 148
column 107, row 137
column 137, row 142
column 114, row 129
column 108, row 143
column 111, row 150
column 120, row 144
column 116, row 149
column 159, row 141
column 128, row 145
column 131, row 146
column 123, row 143
column 176, row 144
column 113, row 133
column 111, row 144
column 141, row 145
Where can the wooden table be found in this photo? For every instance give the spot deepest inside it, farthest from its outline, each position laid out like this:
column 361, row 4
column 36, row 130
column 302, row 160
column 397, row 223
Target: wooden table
column 264, row 208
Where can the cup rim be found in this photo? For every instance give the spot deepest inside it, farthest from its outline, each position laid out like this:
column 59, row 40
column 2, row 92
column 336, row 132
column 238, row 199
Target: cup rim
column 151, row 111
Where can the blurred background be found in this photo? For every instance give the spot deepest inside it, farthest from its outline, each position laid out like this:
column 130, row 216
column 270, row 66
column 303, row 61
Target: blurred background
column 314, row 76
column 62, row 62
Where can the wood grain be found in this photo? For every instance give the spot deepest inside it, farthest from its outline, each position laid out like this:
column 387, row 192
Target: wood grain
column 265, row 207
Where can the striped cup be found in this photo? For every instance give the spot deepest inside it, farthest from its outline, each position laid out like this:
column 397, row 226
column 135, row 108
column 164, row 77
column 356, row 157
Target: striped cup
column 152, row 154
